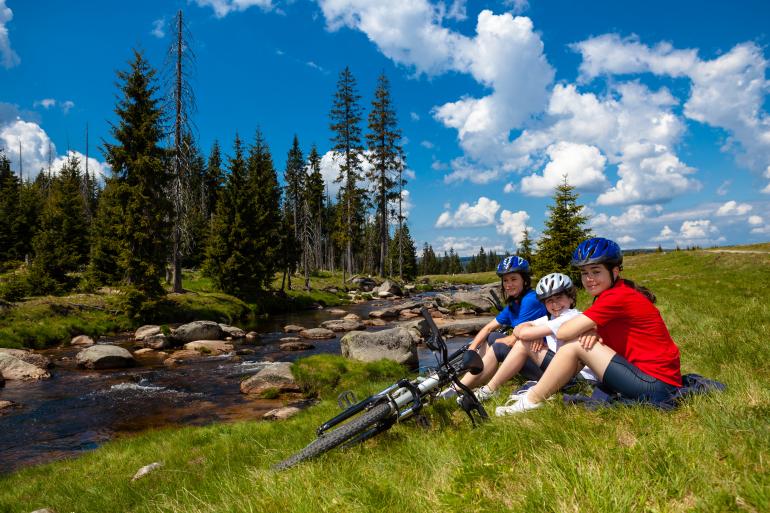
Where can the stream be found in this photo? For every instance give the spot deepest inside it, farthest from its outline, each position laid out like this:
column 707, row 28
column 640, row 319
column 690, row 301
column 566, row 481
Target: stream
column 77, row 410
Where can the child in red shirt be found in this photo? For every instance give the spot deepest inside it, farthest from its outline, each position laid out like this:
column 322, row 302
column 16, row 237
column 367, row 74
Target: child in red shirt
column 621, row 337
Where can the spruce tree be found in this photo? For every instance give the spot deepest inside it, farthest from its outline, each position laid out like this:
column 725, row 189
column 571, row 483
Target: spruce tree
column 564, row 230
column 106, row 244
column 265, row 212
column 314, row 196
column 61, row 243
column 294, row 177
column 385, row 155
column 525, row 246
column 139, row 165
column 402, row 245
column 10, row 212
column 345, row 119
column 213, row 180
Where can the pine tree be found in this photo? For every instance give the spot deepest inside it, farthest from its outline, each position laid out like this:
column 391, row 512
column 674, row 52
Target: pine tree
column 402, row 244
column 10, row 212
column 294, row 177
column 61, row 244
column 345, row 118
column 182, row 103
column 525, row 246
column 213, row 180
column 385, row 155
column 564, row 230
column 314, row 196
column 106, row 244
column 139, row 165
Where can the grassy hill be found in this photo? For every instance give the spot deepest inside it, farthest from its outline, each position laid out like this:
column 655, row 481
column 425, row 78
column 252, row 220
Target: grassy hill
column 709, row 455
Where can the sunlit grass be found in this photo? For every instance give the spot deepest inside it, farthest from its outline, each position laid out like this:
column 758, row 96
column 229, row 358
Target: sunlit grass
column 708, row 455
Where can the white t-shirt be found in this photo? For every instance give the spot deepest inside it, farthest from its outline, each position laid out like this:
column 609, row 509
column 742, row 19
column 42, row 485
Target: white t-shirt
column 553, row 343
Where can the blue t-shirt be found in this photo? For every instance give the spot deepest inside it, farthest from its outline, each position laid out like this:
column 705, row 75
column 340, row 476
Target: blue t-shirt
column 528, row 308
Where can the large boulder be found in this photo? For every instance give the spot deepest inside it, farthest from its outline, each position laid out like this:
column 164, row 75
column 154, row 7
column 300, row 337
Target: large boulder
column 482, row 299
column 399, row 344
column 156, row 341
column 343, row 325
column 317, row 333
column 82, row 341
column 104, row 356
column 364, row 284
column 274, row 376
column 232, row 331
column 146, row 331
column 198, row 330
column 387, row 289
column 211, row 347
column 15, row 368
column 38, row 360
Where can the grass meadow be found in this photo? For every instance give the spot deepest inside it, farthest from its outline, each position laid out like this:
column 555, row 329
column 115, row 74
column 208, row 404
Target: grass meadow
column 711, row 454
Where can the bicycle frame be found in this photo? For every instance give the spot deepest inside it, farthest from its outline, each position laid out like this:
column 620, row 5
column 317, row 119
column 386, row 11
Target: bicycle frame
column 406, row 397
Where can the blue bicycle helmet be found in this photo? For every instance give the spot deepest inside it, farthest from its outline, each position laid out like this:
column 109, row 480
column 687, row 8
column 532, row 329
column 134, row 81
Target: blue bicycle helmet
column 597, row 250
column 513, row 264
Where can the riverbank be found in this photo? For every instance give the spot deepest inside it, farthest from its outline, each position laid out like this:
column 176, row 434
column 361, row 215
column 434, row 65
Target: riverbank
column 707, row 455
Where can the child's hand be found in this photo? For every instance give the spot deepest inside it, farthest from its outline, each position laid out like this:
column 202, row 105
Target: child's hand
column 589, row 339
column 537, row 345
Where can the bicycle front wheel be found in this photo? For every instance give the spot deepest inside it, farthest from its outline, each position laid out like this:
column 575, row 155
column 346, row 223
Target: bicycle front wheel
column 357, row 430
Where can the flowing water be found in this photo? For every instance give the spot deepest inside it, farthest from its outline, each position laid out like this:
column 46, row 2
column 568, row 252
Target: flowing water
column 77, row 410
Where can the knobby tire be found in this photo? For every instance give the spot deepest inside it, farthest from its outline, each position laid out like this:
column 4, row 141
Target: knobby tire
column 338, row 436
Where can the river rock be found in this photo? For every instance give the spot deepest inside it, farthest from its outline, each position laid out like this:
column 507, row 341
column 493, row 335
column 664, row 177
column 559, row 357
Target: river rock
column 156, row 341
column 273, row 376
column 337, row 311
column 146, row 470
column 146, row 331
column 463, row 326
column 317, row 333
column 286, row 340
column 296, row 346
column 198, row 330
column 342, row 325
column 82, row 341
column 183, row 356
column 104, row 356
column 374, row 322
column 352, row 317
column 15, row 368
column 232, row 331
column 292, row 328
column 407, row 314
column 210, row 347
column 144, row 351
column 252, row 337
column 364, row 284
column 6, row 406
column 281, row 413
column 397, row 344
column 38, row 360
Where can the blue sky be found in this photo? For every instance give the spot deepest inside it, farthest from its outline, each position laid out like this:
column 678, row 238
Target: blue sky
column 656, row 111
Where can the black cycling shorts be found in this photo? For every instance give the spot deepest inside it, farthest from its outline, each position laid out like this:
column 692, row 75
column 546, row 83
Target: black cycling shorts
column 625, row 378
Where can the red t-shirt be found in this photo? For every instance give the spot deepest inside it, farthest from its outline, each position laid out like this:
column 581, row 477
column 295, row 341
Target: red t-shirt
column 631, row 325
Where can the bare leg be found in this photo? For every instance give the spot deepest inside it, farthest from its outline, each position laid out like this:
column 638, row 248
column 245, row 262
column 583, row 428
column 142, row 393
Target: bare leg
column 490, row 367
column 566, row 363
column 514, row 362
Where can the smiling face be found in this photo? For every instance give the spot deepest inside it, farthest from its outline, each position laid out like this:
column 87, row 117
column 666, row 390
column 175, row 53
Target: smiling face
column 597, row 278
column 513, row 284
column 557, row 304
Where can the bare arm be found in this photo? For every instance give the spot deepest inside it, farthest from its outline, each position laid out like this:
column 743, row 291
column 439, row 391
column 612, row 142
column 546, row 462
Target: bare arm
column 482, row 335
column 575, row 327
column 528, row 331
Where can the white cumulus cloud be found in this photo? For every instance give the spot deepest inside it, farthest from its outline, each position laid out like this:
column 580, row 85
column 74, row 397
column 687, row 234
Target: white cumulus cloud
column 733, row 208
column 580, row 164
column 159, row 28
column 513, row 224
column 8, row 58
column 755, row 220
column 467, row 215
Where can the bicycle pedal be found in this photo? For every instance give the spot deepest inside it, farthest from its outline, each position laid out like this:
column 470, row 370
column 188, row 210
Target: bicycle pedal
column 346, row 399
column 422, row 421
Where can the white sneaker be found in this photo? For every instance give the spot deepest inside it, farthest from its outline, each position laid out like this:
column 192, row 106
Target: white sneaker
column 519, row 406
column 485, row 393
column 448, row 393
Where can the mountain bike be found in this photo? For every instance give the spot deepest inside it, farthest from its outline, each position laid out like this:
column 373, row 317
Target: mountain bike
column 362, row 420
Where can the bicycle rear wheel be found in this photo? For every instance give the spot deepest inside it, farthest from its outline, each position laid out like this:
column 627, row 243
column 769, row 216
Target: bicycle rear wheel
column 358, row 429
